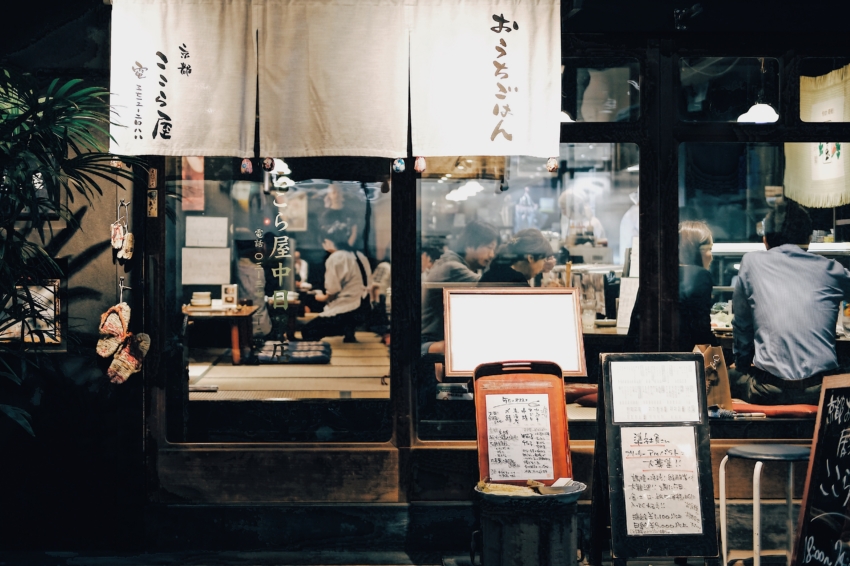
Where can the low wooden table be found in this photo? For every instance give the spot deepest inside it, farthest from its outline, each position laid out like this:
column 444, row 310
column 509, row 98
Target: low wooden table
column 240, row 325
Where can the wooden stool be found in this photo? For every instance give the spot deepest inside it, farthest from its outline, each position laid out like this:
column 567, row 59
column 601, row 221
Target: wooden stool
column 789, row 453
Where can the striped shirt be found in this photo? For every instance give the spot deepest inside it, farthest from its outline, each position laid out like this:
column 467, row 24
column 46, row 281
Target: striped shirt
column 785, row 305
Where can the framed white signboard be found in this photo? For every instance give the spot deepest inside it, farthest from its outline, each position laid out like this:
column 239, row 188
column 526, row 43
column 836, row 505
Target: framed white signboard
column 511, row 324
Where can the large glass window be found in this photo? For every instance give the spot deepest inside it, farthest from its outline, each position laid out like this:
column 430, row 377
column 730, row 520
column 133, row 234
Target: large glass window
column 729, row 89
column 504, row 221
column 280, row 273
column 600, row 90
column 725, row 192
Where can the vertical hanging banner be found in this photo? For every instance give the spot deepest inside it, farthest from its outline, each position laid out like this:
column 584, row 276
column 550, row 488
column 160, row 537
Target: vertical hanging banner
column 333, row 77
column 816, row 174
column 183, row 77
column 485, row 77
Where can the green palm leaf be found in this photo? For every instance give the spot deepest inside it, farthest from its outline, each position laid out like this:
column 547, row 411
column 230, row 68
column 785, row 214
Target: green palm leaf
column 53, row 145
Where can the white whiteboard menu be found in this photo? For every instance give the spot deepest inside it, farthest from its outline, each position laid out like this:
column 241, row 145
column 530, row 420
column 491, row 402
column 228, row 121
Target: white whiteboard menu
column 660, row 481
column 518, row 437
column 649, row 391
column 479, row 327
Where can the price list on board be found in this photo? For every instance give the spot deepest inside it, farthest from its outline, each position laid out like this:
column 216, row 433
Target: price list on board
column 660, row 481
column 518, row 437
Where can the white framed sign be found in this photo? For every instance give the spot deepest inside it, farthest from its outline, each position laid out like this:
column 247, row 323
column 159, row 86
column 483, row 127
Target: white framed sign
column 512, row 324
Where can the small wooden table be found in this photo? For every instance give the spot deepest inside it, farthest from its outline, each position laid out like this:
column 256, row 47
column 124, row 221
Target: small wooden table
column 240, row 325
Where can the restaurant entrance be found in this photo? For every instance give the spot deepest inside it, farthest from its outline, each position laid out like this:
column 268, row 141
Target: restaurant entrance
column 650, row 136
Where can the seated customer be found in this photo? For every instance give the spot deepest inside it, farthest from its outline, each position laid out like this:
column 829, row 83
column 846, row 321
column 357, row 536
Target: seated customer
column 473, row 251
column 251, row 283
column 695, row 285
column 520, row 259
column 785, row 306
column 346, row 284
column 302, row 268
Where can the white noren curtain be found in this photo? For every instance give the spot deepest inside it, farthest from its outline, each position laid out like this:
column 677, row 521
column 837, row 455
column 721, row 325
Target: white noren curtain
column 484, row 71
column 816, row 173
column 183, row 77
column 333, row 77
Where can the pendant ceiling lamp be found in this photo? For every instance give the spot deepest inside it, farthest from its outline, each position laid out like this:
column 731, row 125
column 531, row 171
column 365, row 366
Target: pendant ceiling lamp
column 760, row 112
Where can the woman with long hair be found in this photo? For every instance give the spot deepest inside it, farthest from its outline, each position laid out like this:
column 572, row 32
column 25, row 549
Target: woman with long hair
column 695, row 285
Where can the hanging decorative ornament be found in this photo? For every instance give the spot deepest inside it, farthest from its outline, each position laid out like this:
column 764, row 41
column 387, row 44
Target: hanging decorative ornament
column 117, row 234
column 247, row 168
column 398, row 165
column 552, row 165
column 126, row 251
column 128, row 242
column 419, row 165
column 118, row 229
column 268, row 164
column 113, row 329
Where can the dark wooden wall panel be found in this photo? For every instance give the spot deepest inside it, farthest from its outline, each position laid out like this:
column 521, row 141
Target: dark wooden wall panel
column 239, row 475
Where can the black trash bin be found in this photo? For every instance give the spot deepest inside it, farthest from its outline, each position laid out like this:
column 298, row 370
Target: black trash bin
column 533, row 530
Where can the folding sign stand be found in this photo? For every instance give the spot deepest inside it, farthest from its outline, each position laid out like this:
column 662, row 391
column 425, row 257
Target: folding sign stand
column 522, row 422
column 522, row 435
column 652, row 482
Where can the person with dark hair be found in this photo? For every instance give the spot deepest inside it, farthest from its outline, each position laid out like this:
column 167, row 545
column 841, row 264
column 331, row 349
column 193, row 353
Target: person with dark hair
column 520, row 259
column 695, row 285
column 347, row 275
column 430, row 254
column 473, row 251
column 343, row 206
column 785, row 306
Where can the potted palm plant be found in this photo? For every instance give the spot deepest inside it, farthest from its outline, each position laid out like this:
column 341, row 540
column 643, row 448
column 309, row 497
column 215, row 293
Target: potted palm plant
column 52, row 148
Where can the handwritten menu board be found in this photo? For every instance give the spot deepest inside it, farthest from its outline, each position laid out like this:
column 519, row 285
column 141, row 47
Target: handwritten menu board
column 649, row 391
column 822, row 532
column 518, row 437
column 661, row 486
column 652, row 482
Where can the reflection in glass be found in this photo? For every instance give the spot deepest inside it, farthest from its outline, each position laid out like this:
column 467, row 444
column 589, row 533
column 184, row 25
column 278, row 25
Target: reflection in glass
column 728, row 189
column 600, row 90
column 723, row 89
column 509, row 221
column 290, row 277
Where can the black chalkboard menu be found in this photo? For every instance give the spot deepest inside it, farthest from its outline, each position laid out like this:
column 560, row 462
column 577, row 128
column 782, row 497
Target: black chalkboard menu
column 652, row 484
column 823, row 531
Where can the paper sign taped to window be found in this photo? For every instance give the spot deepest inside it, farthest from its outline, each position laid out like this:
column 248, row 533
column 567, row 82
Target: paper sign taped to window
column 206, row 266
column 660, row 481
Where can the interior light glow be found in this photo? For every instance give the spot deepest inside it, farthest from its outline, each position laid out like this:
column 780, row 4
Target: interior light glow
column 759, row 113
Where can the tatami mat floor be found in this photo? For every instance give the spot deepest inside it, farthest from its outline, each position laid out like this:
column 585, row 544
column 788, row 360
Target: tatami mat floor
column 356, row 371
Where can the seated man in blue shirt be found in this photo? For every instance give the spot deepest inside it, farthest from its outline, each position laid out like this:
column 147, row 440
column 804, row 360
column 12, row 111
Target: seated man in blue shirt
column 785, row 305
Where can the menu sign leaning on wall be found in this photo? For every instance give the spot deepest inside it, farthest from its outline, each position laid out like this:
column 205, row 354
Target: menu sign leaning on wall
column 822, row 531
